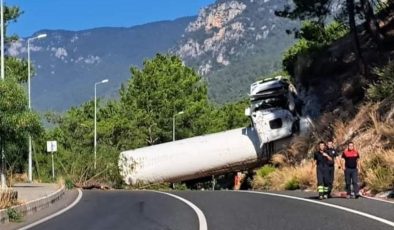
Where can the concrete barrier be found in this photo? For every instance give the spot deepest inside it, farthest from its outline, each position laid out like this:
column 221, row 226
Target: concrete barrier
column 33, row 206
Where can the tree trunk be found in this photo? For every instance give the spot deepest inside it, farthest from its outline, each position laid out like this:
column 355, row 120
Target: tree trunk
column 372, row 22
column 353, row 30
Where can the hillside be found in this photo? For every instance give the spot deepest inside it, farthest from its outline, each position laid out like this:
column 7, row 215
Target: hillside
column 335, row 87
column 68, row 63
column 232, row 43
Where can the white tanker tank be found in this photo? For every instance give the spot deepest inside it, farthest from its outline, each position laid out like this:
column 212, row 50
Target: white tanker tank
column 274, row 114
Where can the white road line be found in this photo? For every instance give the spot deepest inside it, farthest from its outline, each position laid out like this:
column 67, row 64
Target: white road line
column 384, row 221
column 201, row 217
column 55, row 214
column 377, row 199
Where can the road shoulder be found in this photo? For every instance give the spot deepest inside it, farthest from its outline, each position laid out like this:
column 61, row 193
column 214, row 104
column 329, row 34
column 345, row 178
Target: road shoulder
column 374, row 207
column 68, row 198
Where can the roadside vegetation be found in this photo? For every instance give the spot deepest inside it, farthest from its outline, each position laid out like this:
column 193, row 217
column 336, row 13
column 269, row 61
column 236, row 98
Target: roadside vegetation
column 8, row 198
column 313, row 37
column 14, row 215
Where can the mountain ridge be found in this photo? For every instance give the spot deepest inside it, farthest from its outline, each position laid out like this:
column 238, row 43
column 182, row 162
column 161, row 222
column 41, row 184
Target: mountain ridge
column 231, row 43
column 68, row 63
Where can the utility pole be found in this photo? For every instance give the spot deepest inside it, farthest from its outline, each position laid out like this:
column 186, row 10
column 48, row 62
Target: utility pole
column 30, row 172
column 2, row 176
column 95, row 120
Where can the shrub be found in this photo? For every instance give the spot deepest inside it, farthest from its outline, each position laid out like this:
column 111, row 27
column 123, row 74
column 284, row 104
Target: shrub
column 302, row 46
column 261, row 180
column 287, row 178
column 265, row 170
column 313, row 37
column 292, row 184
column 180, row 186
column 14, row 215
column 383, row 88
column 279, row 160
column 378, row 170
column 69, row 184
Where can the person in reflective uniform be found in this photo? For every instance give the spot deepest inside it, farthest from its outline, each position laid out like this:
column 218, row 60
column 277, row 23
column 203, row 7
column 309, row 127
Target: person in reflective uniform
column 321, row 161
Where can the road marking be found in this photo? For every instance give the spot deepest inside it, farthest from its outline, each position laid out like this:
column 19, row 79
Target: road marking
column 55, row 214
column 201, row 217
column 384, row 221
column 377, row 199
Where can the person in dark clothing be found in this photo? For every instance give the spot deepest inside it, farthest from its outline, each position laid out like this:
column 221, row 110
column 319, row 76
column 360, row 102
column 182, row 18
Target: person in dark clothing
column 332, row 152
column 351, row 156
column 322, row 159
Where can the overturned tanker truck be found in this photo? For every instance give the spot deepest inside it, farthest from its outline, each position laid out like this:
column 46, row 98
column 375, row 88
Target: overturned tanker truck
column 275, row 114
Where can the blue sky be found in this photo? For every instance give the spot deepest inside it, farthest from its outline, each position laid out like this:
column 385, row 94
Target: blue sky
column 86, row 14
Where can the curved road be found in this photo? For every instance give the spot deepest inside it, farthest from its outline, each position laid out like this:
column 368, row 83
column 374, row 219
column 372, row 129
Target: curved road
column 222, row 210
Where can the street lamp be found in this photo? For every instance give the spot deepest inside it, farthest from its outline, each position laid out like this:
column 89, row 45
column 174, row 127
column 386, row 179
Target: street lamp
column 95, row 119
column 28, row 89
column 173, row 124
column 2, row 38
column 2, row 176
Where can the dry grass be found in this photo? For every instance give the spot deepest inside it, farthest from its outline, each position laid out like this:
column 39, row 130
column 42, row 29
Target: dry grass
column 372, row 127
column 60, row 182
column 8, row 198
column 279, row 160
column 303, row 173
column 372, row 131
column 384, row 129
column 14, row 178
column 377, row 170
column 297, row 151
column 280, row 178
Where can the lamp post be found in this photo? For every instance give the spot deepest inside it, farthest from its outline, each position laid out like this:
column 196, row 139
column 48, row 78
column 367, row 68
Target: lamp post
column 2, row 176
column 2, row 38
column 95, row 119
column 173, row 124
column 28, row 89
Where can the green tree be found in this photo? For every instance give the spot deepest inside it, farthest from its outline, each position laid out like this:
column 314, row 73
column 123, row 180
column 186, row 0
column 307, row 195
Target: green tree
column 16, row 120
column 383, row 88
column 229, row 116
column 74, row 160
column 320, row 11
column 313, row 37
column 154, row 94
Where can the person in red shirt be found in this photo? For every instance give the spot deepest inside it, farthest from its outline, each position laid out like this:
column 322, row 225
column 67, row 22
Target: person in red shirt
column 351, row 156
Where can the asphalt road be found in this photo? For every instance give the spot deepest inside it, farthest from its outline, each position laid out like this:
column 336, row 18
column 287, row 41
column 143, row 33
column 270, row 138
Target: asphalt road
column 222, row 210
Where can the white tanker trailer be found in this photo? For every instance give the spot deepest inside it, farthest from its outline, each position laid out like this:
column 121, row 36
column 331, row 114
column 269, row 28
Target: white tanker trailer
column 275, row 117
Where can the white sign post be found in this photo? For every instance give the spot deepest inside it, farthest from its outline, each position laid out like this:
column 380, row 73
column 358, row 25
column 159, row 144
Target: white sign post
column 52, row 147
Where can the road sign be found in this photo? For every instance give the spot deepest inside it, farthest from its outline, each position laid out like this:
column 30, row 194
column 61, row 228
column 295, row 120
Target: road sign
column 51, row 146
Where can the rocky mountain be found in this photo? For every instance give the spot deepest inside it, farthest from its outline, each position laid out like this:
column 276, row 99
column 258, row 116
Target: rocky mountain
column 234, row 42
column 231, row 43
column 68, row 63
